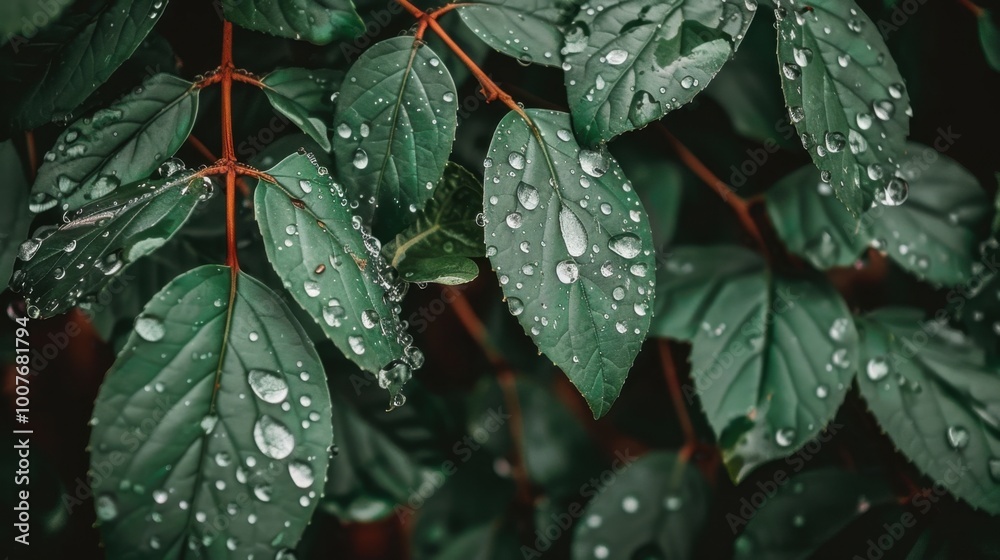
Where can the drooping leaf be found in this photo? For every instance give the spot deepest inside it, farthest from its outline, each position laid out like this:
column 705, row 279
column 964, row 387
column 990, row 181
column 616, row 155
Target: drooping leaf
column 57, row 69
column 304, row 96
column 71, row 263
column 772, row 355
column 692, row 279
column 14, row 213
column 937, row 399
column 395, row 124
column 845, row 96
column 334, row 269
column 933, row 234
column 655, row 509
column 634, row 61
column 316, row 21
column 989, row 37
column 572, row 247
column 22, row 18
column 529, row 30
column 117, row 145
column 211, row 431
column 439, row 246
column 813, row 223
column 807, row 512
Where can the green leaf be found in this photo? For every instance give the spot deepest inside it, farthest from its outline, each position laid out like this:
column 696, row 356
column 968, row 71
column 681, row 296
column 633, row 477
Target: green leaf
column 370, row 474
column 694, row 277
column 571, row 245
column 846, row 97
column 989, row 37
column 438, row 247
column 316, row 21
column 634, row 61
column 395, row 123
column 807, row 512
column 13, row 214
column 334, row 270
column 934, row 234
column 933, row 393
column 214, row 423
column 813, row 223
column 655, row 509
column 772, row 355
column 491, row 541
column 64, row 63
column 21, row 18
column 305, row 97
column 73, row 262
column 121, row 144
column 529, row 30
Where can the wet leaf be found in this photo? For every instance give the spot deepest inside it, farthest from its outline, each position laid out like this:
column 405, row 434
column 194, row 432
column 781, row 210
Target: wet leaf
column 528, row 30
column 395, row 124
column 316, row 21
column 655, row 509
column 989, row 37
column 120, row 144
column 571, row 245
column 334, row 269
column 634, row 61
column 772, row 355
column 61, row 266
column 439, row 246
column 54, row 72
column 845, row 96
column 14, row 213
column 933, row 393
column 304, row 96
column 224, row 373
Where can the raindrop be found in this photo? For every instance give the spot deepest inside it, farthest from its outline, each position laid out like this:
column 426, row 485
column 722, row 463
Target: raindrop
column 514, row 220
column 791, row 71
column 515, row 305
column 616, row 57
column 567, row 272
column 839, row 328
column 149, row 328
column 626, row 245
column 877, row 368
column 573, row 233
column 516, row 160
column 301, row 473
column 630, row 504
column 360, row 159
column 106, row 508
column 527, row 195
column 273, row 438
column 883, row 109
column 802, row 56
column 357, row 344
column 894, row 192
column 958, row 437
column 593, row 163
column 267, row 385
column 784, row 437
column 311, row 287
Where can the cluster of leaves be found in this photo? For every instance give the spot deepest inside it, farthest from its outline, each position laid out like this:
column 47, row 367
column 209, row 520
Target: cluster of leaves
column 239, row 452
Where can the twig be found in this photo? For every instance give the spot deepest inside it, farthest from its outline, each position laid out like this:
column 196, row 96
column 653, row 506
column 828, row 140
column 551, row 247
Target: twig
column 29, row 141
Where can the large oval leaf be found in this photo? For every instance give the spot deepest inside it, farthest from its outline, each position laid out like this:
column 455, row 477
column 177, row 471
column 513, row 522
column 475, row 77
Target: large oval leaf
column 305, row 97
column 66, row 61
column 772, row 356
column 529, row 30
column 845, row 96
column 934, row 394
column 440, row 245
column 633, row 61
column 121, row 144
column 571, row 245
column 654, row 509
column 316, row 21
column 16, row 220
column 395, row 124
column 212, row 429
column 334, row 269
column 73, row 262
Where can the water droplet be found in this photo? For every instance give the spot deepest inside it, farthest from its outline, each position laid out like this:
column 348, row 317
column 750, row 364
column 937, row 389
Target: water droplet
column 593, row 163
column 27, row 250
column 630, row 504
column 301, row 473
column 877, row 368
column 343, row 130
column 106, row 507
column 516, row 160
column 149, row 328
column 369, row 318
column 883, row 109
column 357, row 344
column 839, row 328
column 311, row 287
column 784, row 437
column 616, row 57
column 573, row 233
column 515, row 305
column 527, row 195
column 791, row 71
column 958, row 437
column 514, row 220
column 822, row 391
column 840, row 358
column 567, row 272
column 626, row 245
column 267, row 385
column 834, row 141
column 894, row 193
column 273, row 438
column 803, row 56
column 864, row 121
column 360, row 159
column 564, row 134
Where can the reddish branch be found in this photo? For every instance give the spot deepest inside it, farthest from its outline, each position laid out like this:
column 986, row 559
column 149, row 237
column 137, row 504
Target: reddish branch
column 505, row 376
column 29, row 141
column 969, row 5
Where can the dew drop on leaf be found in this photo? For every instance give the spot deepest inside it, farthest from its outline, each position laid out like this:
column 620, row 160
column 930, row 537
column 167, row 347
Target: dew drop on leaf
column 267, row 385
column 273, row 438
column 567, row 271
column 149, row 328
column 573, row 233
column 625, row 245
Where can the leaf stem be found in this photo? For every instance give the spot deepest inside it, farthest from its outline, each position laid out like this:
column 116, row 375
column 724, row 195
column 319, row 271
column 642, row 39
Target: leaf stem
column 228, row 152
column 29, row 141
column 740, row 206
column 506, row 378
column 972, row 7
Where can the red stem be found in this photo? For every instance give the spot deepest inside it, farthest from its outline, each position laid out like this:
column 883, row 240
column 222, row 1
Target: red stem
column 29, row 141
column 228, row 151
